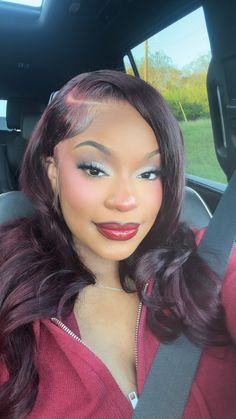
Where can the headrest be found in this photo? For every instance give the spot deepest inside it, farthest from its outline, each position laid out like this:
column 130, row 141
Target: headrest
column 16, row 204
column 15, row 153
column 13, row 115
column 17, row 145
column 195, row 212
column 28, row 123
column 16, row 108
column 13, row 205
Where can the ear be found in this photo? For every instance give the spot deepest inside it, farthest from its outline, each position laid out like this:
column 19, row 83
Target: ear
column 52, row 172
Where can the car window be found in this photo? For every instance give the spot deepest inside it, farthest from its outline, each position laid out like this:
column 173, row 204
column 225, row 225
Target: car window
column 175, row 61
column 31, row 3
column 3, row 109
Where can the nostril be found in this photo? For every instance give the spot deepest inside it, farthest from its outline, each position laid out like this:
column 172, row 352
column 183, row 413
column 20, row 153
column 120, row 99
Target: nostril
column 122, row 203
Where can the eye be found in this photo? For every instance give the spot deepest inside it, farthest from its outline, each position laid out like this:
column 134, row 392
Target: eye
column 151, row 174
column 92, row 169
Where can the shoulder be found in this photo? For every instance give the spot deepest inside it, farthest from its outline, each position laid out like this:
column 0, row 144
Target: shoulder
column 229, row 294
column 228, row 291
column 198, row 234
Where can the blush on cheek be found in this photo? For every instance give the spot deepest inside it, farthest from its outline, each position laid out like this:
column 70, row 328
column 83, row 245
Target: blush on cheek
column 154, row 199
column 78, row 194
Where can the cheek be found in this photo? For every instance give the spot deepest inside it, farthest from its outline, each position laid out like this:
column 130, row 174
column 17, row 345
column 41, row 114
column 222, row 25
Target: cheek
column 153, row 199
column 77, row 193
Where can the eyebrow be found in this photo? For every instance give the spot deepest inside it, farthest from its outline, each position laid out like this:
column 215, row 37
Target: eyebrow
column 108, row 151
column 99, row 146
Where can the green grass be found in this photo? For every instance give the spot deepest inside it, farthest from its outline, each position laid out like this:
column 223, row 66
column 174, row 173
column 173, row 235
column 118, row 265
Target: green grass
column 199, row 150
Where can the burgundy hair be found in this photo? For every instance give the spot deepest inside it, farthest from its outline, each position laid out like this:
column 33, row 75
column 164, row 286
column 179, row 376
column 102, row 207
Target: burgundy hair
column 41, row 272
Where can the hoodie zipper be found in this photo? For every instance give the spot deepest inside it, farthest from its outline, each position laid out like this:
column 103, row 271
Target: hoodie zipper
column 136, row 331
column 136, row 334
column 133, row 398
column 69, row 332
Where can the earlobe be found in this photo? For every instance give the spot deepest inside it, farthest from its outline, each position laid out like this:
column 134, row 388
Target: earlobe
column 51, row 168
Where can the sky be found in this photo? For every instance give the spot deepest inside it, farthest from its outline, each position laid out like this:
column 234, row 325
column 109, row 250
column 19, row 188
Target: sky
column 183, row 41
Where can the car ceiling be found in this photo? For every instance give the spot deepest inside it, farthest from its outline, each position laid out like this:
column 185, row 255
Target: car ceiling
column 39, row 54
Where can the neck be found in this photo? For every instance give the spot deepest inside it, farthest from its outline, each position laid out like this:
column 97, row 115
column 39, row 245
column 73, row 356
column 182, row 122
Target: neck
column 106, row 287
column 105, row 272
column 115, row 285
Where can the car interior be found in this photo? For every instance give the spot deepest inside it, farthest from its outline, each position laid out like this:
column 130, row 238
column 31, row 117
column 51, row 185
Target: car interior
column 43, row 47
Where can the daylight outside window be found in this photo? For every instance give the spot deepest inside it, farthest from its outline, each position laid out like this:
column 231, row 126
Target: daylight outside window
column 175, row 61
column 3, row 110
column 32, row 3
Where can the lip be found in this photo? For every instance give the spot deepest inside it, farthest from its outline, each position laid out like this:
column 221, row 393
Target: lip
column 118, row 231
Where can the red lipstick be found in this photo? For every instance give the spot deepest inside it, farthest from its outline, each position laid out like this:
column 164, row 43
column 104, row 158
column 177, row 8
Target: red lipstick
column 117, row 231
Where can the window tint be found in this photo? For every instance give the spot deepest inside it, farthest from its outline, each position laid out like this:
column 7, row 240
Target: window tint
column 3, row 109
column 128, row 67
column 32, row 3
column 175, row 61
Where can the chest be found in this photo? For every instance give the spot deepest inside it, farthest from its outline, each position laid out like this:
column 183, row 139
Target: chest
column 109, row 329
column 73, row 383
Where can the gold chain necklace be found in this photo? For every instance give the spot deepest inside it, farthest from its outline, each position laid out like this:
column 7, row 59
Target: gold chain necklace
column 108, row 288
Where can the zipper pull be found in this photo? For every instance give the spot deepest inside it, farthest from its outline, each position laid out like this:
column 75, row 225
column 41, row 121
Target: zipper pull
column 133, row 398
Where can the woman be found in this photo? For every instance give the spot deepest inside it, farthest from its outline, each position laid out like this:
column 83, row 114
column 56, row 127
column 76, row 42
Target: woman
column 104, row 271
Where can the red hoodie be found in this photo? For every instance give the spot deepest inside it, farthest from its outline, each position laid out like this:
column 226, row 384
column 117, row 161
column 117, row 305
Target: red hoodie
column 75, row 383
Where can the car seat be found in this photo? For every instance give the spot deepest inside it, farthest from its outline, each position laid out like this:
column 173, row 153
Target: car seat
column 195, row 212
column 12, row 150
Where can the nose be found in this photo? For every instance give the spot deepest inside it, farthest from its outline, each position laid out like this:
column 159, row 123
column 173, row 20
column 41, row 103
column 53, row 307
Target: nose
column 122, row 197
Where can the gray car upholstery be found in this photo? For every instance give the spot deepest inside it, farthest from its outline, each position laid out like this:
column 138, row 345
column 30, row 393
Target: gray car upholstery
column 195, row 212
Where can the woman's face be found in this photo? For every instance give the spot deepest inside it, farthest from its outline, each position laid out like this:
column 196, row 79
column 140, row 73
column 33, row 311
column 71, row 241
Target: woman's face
column 108, row 182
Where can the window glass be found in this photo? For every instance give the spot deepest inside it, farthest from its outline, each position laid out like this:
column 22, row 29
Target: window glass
column 128, row 66
column 3, row 110
column 175, row 61
column 32, row 3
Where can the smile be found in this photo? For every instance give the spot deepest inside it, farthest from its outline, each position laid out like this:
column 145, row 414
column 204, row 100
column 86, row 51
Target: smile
column 117, row 231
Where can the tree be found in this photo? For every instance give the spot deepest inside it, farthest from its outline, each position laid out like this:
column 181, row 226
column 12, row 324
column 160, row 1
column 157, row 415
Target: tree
column 185, row 89
column 200, row 65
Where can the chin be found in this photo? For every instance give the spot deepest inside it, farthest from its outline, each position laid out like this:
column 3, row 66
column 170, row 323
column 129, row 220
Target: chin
column 117, row 256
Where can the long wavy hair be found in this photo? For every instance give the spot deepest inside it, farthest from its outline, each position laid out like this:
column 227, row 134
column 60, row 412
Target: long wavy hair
column 41, row 272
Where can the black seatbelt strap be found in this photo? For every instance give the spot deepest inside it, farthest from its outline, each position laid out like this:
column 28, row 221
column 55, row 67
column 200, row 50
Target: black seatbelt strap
column 169, row 382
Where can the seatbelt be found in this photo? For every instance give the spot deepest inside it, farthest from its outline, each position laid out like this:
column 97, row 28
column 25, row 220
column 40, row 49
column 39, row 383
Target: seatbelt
column 169, row 382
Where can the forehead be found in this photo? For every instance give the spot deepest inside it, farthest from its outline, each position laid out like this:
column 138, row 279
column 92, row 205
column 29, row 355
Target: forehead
column 118, row 126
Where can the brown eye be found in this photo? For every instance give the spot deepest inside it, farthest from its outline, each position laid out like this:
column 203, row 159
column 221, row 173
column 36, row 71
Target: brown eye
column 94, row 172
column 151, row 174
column 92, row 169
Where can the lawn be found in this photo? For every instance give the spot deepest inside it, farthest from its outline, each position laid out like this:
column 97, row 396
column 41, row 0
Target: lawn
column 199, row 150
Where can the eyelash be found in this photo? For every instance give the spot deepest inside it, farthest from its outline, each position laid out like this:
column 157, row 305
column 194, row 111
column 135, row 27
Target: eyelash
column 157, row 173
column 92, row 166
column 85, row 166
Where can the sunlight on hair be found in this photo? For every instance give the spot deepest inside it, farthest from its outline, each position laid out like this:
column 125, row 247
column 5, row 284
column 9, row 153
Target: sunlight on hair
column 70, row 99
